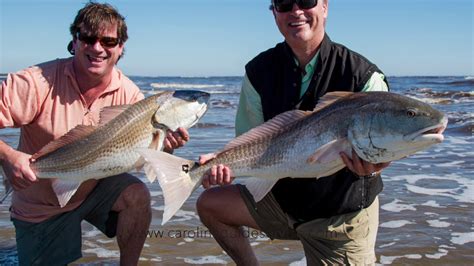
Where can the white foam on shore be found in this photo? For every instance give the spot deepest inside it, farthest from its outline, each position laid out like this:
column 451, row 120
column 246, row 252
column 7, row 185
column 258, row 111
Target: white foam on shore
column 432, row 203
column 389, row 259
column 438, row 223
column 105, row 241
column 396, row 224
column 387, row 245
column 397, row 206
column 103, row 253
column 203, row 260
column 451, row 164
column 441, row 253
column 92, row 233
column 462, row 238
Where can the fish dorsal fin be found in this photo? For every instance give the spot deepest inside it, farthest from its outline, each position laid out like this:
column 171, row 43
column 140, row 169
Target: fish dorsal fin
column 268, row 128
column 74, row 134
column 329, row 98
column 110, row 112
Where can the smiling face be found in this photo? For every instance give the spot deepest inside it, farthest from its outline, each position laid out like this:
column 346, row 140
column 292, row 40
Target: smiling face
column 94, row 60
column 301, row 27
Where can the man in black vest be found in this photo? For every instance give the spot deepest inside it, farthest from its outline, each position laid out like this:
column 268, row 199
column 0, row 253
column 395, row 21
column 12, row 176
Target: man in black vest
column 335, row 217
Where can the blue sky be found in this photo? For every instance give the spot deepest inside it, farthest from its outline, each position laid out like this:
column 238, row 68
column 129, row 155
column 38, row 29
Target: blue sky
column 217, row 37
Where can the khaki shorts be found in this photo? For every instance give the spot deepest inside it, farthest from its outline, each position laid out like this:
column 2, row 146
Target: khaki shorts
column 342, row 239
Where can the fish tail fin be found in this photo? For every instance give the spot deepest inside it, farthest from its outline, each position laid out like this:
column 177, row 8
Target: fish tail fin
column 174, row 176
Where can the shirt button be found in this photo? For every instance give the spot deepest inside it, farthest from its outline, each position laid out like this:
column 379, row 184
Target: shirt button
column 294, row 69
column 294, row 84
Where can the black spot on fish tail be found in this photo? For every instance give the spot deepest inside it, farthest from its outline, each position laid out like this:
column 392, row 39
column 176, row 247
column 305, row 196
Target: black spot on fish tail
column 185, row 168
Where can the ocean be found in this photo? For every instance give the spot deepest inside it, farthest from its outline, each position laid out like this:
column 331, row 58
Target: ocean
column 427, row 205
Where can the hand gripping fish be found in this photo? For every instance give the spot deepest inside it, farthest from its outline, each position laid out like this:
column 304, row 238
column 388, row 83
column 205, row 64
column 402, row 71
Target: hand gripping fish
column 90, row 152
column 379, row 126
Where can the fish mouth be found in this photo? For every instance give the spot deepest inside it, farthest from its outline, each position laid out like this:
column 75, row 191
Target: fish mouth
column 430, row 134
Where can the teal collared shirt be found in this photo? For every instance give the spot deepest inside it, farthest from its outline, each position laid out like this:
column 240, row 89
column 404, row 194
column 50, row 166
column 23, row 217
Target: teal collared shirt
column 250, row 114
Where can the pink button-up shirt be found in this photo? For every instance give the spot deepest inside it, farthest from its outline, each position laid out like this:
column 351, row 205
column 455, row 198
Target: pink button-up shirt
column 46, row 102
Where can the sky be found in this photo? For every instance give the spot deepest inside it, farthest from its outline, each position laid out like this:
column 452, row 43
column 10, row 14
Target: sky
column 218, row 37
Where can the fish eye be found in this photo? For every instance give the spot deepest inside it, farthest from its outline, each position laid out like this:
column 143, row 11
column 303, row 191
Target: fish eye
column 411, row 113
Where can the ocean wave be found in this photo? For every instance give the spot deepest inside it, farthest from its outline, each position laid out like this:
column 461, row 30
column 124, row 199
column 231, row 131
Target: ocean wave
column 463, row 192
column 9, row 255
column 441, row 101
column 463, row 129
column 203, row 260
column 384, row 260
column 185, row 86
column 462, row 238
column 438, row 223
column 208, row 125
column 396, row 224
column 397, row 206
column 441, row 94
column 457, row 81
column 222, row 104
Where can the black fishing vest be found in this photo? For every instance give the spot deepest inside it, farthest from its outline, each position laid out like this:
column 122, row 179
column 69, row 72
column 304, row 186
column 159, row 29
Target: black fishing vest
column 276, row 77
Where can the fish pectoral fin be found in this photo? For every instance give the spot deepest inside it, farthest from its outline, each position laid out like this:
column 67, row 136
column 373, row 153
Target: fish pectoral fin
column 173, row 174
column 157, row 140
column 259, row 187
column 330, row 151
column 64, row 190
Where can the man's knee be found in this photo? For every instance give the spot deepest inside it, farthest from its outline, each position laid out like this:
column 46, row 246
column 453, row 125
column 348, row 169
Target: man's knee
column 215, row 200
column 136, row 196
column 204, row 202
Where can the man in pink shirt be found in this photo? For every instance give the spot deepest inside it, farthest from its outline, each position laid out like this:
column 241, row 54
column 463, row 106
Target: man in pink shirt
column 48, row 100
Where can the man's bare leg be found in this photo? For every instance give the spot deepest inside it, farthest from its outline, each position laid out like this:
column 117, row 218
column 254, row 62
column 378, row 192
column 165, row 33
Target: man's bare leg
column 133, row 206
column 223, row 211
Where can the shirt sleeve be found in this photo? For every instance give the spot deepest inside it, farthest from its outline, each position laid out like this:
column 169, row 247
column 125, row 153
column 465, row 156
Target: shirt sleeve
column 19, row 99
column 249, row 112
column 376, row 83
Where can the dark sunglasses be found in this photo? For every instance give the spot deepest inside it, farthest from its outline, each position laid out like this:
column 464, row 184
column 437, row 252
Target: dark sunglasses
column 107, row 42
column 287, row 5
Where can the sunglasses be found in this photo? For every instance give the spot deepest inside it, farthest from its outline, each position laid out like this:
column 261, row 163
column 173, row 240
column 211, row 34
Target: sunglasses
column 287, row 5
column 107, row 42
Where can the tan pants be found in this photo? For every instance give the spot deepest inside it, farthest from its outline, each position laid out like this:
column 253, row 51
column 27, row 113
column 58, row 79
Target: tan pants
column 343, row 239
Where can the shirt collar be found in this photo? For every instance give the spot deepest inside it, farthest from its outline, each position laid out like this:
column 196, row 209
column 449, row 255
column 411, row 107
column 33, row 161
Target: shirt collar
column 309, row 68
column 114, row 84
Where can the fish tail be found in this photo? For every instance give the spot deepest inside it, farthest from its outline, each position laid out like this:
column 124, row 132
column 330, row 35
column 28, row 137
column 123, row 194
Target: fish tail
column 174, row 176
